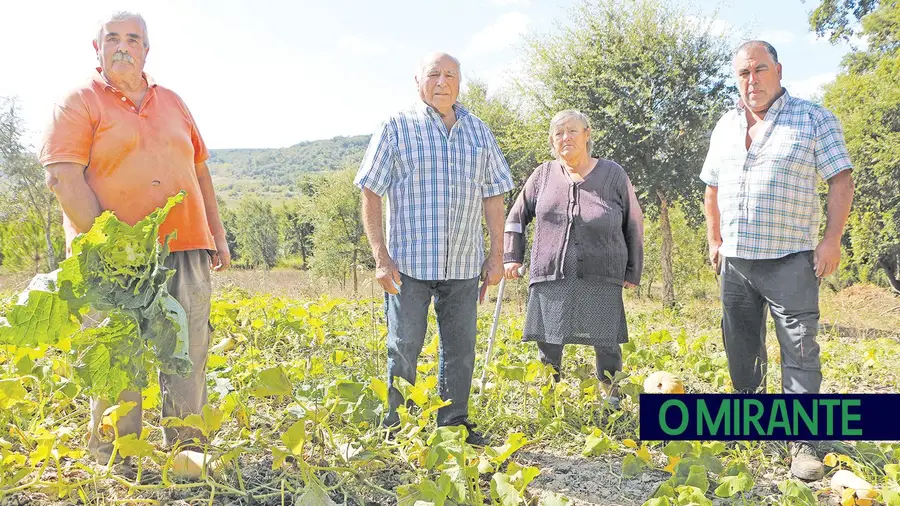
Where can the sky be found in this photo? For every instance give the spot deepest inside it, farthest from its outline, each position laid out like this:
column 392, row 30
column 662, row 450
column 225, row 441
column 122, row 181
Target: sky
column 273, row 73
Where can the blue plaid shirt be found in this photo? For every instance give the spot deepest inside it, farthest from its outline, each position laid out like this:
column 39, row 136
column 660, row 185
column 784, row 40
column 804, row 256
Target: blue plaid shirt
column 767, row 197
column 435, row 181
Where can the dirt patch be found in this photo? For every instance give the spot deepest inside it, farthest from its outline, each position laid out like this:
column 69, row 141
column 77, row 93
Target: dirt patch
column 589, row 481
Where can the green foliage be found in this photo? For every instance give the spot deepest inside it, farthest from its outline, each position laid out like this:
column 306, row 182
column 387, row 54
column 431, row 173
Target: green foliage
column 23, row 244
column 689, row 255
column 117, row 278
column 652, row 84
column 296, row 228
column 340, row 244
column 522, row 141
column 31, row 236
column 297, row 404
column 272, row 174
column 867, row 101
column 833, row 17
column 256, row 232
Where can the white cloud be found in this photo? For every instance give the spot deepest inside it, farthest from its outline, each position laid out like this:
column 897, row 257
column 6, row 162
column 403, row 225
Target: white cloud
column 859, row 42
column 716, row 27
column 809, row 87
column 358, row 45
column 777, row 37
column 502, row 33
column 815, row 39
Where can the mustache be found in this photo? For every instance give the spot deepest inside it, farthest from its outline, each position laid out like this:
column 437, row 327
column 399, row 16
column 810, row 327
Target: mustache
column 121, row 56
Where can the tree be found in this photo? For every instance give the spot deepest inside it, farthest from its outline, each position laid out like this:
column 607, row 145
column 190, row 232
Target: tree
column 832, row 17
column 653, row 84
column 340, row 244
column 295, row 225
column 521, row 140
column 27, row 197
column 229, row 222
column 866, row 99
column 257, row 233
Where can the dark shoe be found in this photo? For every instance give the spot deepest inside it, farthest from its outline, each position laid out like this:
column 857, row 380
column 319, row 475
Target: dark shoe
column 805, row 463
column 475, row 438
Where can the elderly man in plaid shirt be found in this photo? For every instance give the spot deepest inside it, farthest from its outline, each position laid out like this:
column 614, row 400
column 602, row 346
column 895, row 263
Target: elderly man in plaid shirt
column 440, row 168
column 763, row 217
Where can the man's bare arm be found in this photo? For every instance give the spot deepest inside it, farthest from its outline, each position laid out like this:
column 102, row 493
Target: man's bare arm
column 840, row 199
column 827, row 256
column 385, row 270
column 213, row 219
column 66, row 181
column 713, row 230
column 494, row 214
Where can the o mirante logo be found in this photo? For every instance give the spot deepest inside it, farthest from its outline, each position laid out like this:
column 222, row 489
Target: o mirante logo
column 768, row 417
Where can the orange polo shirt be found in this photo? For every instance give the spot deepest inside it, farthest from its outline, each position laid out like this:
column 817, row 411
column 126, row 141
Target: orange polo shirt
column 135, row 158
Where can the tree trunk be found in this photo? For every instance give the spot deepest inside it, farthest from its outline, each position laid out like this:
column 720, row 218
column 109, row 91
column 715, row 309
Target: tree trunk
column 890, row 272
column 51, row 255
column 353, row 266
column 303, row 251
column 666, row 229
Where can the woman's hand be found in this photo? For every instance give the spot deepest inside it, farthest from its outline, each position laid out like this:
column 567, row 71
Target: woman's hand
column 511, row 270
column 629, row 285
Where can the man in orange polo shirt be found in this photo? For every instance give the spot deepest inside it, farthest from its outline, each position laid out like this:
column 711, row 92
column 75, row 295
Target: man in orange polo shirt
column 121, row 142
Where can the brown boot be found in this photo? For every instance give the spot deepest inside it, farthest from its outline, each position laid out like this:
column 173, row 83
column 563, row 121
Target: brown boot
column 805, row 463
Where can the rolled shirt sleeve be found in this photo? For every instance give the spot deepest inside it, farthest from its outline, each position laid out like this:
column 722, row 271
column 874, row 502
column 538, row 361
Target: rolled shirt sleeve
column 377, row 167
column 498, row 177
column 831, row 150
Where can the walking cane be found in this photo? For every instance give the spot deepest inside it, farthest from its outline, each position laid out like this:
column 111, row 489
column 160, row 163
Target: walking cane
column 487, row 358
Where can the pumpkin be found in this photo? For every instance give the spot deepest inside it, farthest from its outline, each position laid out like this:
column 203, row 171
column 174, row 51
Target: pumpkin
column 662, row 382
column 224, row 345
column 844, row 479
column 189, row 464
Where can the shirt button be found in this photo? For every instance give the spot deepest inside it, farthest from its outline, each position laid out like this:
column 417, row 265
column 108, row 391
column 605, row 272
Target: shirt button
column 124, row 99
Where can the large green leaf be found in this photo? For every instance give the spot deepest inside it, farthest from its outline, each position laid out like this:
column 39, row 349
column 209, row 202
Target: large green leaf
column 11, row 393
column 130, row 446
column 730, row 486
column 273, row 382
column 295, row 437
column 117, row 275
column 503, row 491
column 41, row 317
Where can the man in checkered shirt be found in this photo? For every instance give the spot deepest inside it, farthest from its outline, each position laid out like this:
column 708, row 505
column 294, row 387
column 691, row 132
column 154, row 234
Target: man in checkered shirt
column 763, row 217
column 441, row 169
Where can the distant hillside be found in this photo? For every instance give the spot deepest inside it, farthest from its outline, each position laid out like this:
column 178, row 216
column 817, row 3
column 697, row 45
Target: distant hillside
column 272, row 174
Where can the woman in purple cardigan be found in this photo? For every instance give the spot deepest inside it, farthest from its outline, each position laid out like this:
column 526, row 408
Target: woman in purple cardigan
column 587, row 245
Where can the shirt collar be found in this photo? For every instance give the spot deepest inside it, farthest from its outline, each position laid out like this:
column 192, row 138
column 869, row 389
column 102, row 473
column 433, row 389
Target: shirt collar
column 461, row 112
column 98, row 78
column 777, row 105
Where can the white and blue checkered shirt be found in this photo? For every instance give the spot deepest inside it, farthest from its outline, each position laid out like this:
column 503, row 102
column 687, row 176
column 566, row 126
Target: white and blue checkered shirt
column 435, row 182
column 767, row 197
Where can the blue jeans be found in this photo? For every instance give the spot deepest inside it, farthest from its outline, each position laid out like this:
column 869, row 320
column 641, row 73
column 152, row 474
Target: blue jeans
column 456, row 306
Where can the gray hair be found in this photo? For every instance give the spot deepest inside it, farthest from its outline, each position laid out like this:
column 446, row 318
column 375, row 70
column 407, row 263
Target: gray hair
column 119, row 16
column 433, row 57
column 758, row 43
column 562, row 117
